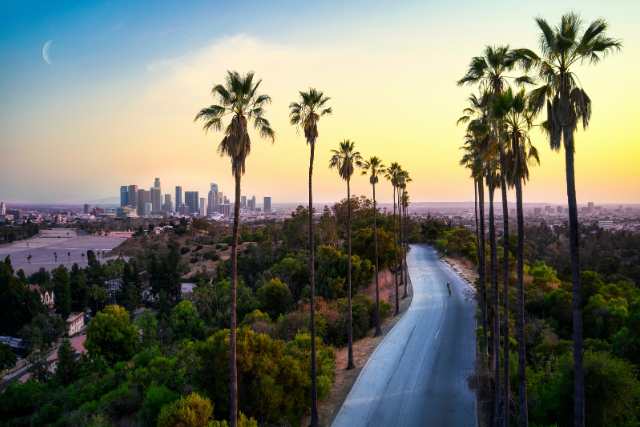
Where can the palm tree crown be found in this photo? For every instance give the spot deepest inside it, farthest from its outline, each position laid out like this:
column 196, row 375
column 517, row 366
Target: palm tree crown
column 373, row 167
column 239, row 98
column 306, row 113
column 344, row 158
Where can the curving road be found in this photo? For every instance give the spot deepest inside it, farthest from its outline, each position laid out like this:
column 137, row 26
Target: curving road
column 416, row 376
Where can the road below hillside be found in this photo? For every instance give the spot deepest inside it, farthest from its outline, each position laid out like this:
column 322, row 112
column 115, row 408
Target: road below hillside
column 416, row 376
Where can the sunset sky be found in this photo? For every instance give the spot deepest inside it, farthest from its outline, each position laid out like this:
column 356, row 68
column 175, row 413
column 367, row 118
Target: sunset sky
column 116, row 107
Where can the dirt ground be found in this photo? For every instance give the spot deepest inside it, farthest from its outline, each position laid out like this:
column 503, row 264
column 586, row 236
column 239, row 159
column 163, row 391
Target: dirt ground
column 362, row 350
column 464, row 268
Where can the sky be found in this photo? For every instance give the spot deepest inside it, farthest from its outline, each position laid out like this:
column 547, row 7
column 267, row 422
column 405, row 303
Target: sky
column 116, row 106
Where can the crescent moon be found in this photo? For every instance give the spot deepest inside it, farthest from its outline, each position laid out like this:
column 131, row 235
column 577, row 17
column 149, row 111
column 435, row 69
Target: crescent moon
column 45, row 52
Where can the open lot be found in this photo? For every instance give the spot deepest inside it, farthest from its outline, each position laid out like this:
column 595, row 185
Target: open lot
column 68, row 247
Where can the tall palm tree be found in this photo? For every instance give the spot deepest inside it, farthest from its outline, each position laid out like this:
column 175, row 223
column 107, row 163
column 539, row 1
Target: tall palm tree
column 374, row 167
column 239, row 99
column 405, row 208
column 343, row 160
column 564, row 47
column 391, row 174
column 512, row 108
column 305, row 115
column 403, row 180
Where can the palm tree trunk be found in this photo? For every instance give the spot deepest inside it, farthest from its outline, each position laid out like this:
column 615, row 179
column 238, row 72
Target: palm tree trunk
column 492, row 271
column 375, row 249
column 475, row 192
column 314, row 389
column 406, row 250
column 400, row 241
column 578, row 348
column 233, row 420
column 482, row 266
column 522, row 373
column 496, row 305
column 350, row 363
column 505, row 300
column 395, row 252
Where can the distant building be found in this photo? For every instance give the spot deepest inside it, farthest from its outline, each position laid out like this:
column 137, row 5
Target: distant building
column 605, row 225
column 243, row 201
column 156, row 198
column 537, row 212
column 183, row 209
column 156, row 184
column 147, row 209
column 123, row 211
column 144, row 197
column 212, row 200
column 124, row 195
column 179, row 200
column 592, row 208
column 133, row 195
column 225, row 209
column 3, row 209
column 253, row 202
column 47, row 297
column 18, row 214
column 203, row 209
column 191, row 199
column 267, row 204
column 250, row 205
column 168, row 207
column 559, row 209
column 75, row 323
column 87, row 208
column 548, row 209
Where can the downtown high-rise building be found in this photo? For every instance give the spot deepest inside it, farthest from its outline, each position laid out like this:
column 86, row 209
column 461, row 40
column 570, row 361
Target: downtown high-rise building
column 133, row 196
column 243, row 201
column 179, row 200
column 267, row 204
column 3, row 209
column 253, row 203
column 167, row 206
column 250, row 205
column 203, row 208
column 592, row 208
column 87, row 208
column 124, row 195
column 212, row 199
column 156, row 199
column 191, row 199
column 144, row 197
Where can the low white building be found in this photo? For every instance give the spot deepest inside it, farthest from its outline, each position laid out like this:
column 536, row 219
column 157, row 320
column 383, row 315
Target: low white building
column 47, row 297
column 75, row 323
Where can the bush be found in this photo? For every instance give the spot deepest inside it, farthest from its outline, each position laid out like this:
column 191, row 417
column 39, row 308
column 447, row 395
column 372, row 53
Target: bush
column 224, row 248
column 156, row 398
column 211, row 255
column 111, row 335
column 193, row 260
column 218, row 246
column 198, row 247
column 184, row 249
column 275, row 298
column 193, row 411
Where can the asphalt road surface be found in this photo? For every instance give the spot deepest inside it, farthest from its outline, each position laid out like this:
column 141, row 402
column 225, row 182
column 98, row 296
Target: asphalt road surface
column 416, row 376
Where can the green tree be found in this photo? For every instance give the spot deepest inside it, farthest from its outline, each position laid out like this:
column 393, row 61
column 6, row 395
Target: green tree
column 148, row 326
column 391, row 174
column 131, row 299
column 187, row 325
column 156, row 398
column 305, row 115
column 67, row 369
column 7, row 358
column 343, row 160
column 239, row 98
column 275, row 298
column 79, row 289
column 374, row 167
column 563, row 48
column 110, row 334
column 192, row 411
column 61, row 287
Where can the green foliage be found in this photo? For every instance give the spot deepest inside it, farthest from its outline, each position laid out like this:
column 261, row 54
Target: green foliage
column 62, row 290
column 612, row 391
column 457, row 241
column 111, row 335
column 67, row 369
column 148, row 326
column 193, row 411
column 331, row 272
column 275, row 298
column 7, row 358
column 186, row 322
column 18, row 305
column 155, row 399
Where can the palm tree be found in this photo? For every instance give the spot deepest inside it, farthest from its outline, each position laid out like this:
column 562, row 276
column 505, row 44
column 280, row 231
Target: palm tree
column 391, row 174
column 29, row 259
column 403, row 180
column 562, row 47
column 55, row 256
column 343, row 160
column 238, row 98
column 69, row 255
column 82, row 256
column 374, row 167
column 515, row 115
column 305, row 114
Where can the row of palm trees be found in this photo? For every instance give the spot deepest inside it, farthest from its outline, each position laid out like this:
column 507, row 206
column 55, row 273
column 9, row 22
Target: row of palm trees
column 238, row 98
column 498, row 149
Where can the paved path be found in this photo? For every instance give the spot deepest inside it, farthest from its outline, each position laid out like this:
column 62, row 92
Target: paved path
column 416, row 376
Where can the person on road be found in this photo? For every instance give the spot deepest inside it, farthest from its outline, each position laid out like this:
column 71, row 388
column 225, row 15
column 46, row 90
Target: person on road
column 449, row 292
column 448, row 287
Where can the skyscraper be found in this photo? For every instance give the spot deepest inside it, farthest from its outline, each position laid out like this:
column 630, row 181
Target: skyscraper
column 87, row 208
column 592, row 208
column 191, row 200
column 144, row 197
column 212, row 199
column 124, row 195
column 253, row 203
column 133, row 196
column 202, row 211
column 267, row 204
column 243, row 201
column 156, row 199
column 3, row 209
column 157, row 183
column 178, row 196
column 168, row 207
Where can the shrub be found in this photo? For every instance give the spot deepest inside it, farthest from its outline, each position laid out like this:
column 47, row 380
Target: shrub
column 210, row 255
column 275, row 298
column 193, row 411
column 218, row 246
column 111, row 335
column 224, row 248
column 156, row 398
column 198, row 247
column 184, row 249
column 193, row 260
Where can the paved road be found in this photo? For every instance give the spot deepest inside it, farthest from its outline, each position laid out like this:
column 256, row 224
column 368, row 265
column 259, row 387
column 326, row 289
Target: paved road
column 416, row 376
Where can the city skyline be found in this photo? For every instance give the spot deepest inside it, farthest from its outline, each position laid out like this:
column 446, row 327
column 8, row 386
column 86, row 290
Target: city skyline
column 158, row 64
